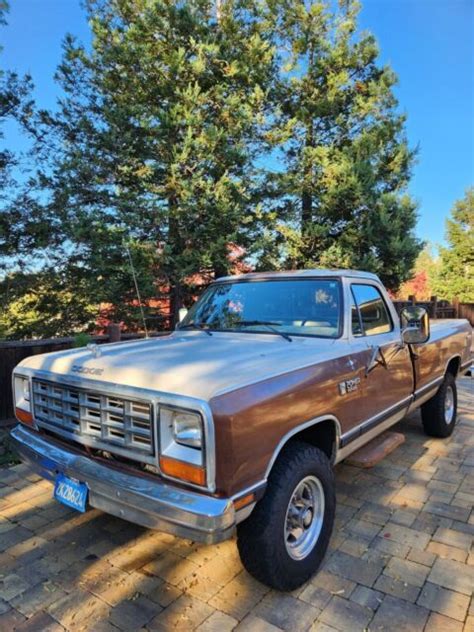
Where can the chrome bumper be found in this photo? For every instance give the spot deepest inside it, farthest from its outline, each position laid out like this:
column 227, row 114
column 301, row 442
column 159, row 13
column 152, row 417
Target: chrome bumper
column 153, row 504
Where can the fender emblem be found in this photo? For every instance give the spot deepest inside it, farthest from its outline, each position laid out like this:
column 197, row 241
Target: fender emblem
column 348, row 386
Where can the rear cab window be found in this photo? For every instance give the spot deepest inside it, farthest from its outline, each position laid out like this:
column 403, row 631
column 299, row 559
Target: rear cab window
column 369, row 312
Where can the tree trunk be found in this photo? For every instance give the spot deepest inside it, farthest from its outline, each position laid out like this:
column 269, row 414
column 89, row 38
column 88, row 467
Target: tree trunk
column 307, row 200
column 176, row 290
column 307, row 194
column 219, row 270
column 306, row 211
column 176, row 301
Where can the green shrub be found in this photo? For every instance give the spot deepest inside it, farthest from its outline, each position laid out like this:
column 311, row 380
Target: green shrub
column 81, row 340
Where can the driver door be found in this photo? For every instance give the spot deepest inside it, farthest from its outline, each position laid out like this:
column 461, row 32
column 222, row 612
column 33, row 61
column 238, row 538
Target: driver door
column 386, row 364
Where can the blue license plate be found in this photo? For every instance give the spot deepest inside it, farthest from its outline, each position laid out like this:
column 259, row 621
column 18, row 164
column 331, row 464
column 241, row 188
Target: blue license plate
column 70, row 492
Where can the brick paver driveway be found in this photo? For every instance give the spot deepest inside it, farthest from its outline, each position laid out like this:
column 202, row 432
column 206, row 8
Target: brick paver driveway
column 400, row 559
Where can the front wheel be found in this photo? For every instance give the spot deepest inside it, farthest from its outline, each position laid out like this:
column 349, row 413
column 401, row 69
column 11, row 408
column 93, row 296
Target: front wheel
column 284, row 540
column 438, row 414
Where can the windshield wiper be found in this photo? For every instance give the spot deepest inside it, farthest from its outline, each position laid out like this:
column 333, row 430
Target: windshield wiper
column 266, row 323
column 198, row 326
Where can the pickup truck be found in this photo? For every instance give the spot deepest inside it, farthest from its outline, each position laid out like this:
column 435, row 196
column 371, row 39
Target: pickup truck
column 233, row 422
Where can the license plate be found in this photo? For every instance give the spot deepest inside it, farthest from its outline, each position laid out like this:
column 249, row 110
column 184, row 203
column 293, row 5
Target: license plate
column 70, row 492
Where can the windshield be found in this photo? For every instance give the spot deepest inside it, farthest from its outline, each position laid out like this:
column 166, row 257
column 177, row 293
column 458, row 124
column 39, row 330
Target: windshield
column 305, row 307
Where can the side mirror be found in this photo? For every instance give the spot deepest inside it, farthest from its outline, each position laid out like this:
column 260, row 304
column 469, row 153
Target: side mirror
column 415, row 324
column 182, row 313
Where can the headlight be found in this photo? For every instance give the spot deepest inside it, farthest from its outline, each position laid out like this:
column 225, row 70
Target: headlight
column 182, row 445
column 22, row 399
column 187, row 429
column 22, row 392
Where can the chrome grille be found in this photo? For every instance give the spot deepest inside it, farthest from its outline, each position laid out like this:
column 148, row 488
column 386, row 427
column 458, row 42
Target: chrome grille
column 109, row 422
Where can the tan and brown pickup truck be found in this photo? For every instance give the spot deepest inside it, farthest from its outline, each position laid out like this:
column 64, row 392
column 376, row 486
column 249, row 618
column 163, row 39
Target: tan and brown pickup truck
column 234, row 421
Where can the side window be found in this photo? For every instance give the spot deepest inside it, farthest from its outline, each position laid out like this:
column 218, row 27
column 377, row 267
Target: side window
column 355, row 318
column 373, row 311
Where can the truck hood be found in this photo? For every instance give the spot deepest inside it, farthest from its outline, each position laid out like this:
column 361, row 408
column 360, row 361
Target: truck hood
column 188, row 363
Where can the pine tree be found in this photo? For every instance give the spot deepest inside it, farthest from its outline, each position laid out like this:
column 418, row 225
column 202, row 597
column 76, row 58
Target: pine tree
column 456, row 276
column 166, row 139
column 343, row 146
column 155, row 141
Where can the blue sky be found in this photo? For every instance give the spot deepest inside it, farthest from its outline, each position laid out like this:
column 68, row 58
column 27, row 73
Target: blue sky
column 429, row 44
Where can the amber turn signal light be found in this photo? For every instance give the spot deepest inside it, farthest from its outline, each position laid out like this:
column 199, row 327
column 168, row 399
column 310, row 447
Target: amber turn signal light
column 24, row 416
column 243, row 501
column 183, row 471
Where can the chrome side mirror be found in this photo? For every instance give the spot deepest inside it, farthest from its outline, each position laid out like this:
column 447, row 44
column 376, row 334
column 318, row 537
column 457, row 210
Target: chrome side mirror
column 415, row 324
column 182, row 313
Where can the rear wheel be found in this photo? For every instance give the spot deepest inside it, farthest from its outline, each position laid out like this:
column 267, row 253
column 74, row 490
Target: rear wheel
column 439, row 413
column 284, row 540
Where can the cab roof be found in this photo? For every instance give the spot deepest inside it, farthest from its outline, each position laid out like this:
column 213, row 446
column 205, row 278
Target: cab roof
column 297, row 274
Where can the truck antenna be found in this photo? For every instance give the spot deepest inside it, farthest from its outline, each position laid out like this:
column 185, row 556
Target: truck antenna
column 134, row 274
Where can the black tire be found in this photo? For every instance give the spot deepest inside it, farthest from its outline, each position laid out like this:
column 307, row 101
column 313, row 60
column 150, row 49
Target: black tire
column 261, row 539
column 433, row 413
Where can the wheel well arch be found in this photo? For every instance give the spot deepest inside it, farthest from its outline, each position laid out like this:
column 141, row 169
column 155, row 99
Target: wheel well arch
column 454, row 365
column 323, row 433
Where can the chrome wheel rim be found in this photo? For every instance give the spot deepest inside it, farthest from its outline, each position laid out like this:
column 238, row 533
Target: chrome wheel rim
column 304, row 517
column 449, row 405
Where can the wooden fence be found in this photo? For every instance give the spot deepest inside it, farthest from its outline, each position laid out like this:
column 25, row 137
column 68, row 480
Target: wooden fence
column 466, row 310
column 441, row 309
column 12, row 352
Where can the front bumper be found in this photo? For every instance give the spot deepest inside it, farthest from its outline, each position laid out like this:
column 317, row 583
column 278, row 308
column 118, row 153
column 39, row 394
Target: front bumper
column 153, row 504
